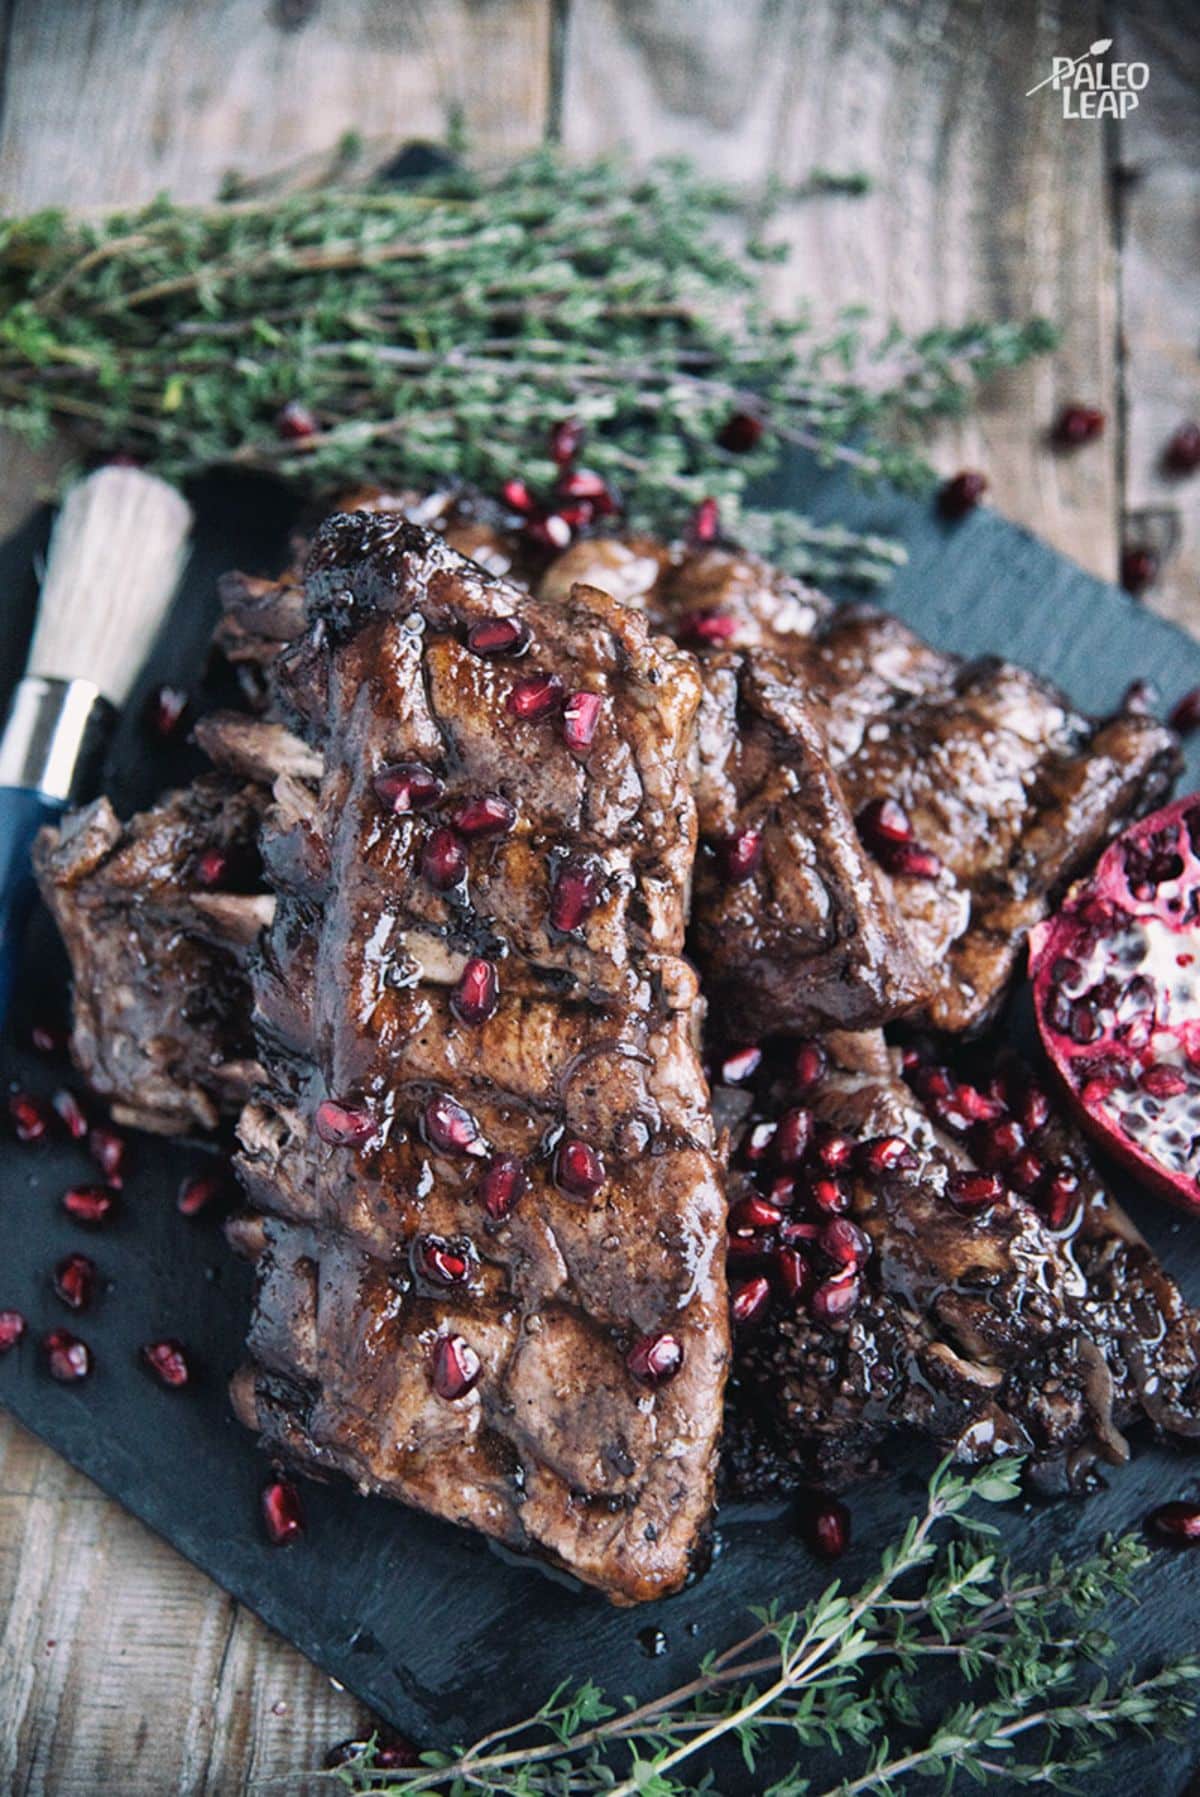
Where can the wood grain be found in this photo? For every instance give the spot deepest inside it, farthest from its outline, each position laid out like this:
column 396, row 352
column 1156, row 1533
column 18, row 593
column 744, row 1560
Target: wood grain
column 1158, row 209
column 982, row 203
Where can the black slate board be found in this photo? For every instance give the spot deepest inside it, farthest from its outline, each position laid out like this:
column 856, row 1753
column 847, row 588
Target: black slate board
column 441, row 1634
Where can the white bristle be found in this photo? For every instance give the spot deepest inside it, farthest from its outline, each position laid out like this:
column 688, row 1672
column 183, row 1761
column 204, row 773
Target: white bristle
column 115, row 557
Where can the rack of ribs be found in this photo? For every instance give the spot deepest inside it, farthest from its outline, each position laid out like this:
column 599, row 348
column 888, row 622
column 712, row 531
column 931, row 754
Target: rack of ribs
column 998, row 791
column 913, row 1253
column 490, row 1248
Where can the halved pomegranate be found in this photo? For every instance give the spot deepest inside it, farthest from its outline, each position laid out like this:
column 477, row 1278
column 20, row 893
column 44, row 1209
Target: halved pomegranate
column 1116, row 984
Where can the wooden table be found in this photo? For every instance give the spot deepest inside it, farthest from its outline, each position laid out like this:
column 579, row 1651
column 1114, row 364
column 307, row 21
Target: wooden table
column 121, row 1668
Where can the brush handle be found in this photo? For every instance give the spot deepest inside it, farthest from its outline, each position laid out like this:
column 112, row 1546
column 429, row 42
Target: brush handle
column 22, row 814
column 49, row 755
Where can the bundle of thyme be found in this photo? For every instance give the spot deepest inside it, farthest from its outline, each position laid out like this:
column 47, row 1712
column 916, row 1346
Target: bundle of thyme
column 849, row 1673
column 434, row 332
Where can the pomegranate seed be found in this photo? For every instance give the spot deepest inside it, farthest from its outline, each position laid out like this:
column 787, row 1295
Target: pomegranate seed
column 166, row 711
column 88, row 1204
column 1140, row 698
column 1078, row 424
column 70, row 1113
column 456, row 1367
column 740, row 432
column 552, row 531
column 792, row 1232
column 995, row 1144
column 706, row 628
column 884, row 821
column 835, row 1151
column 198, row 1192
column 794, row 1272
column 1095, row 1091
column 706, row 522
column 565, row 440
column 586, row 484
column 75, row 1281
column 1186, row 716
column 741, row 856
column 211, row 868
column 751, row 1214
column 1026, row 1172
column 655, row 1359
column 30, row 1117
column 581, row 715
column 1182, row 454
column 574, row 895
column 1177, row 1522
column 578, row 1168
column 757, row 1141
column 844, row 1243
column 67, row 1358
column 108, row 1150
column 498, row 636
column 1163, row 1082
column 783, row 1190
column 477, row 993
column 444, row 859
column 792, row 1137
column 442, row 1262
column 748, row 1301
column 450, row 1127
column 490, row 815
column 828, row 1197
column 1060, row 1200
column 517, row 495
column 970, row 1191
column 836, row 1298
column 281, row 1512
column 12, row 1328
column 48, row 1038
column 295, row 422
column 502, row 1184
column 886, row 1154
column 741, row 1064
column 909, row 861
column 827, row 1527
column 1034, row 1110
column 392, row 1754
column 1139, row 567
column 343, row 1125
column 810, row 1064
column 535, row 696
column 976, row 1106
column 168, row 1361
column 407, row 786
column 578, row 513
column 962, row 494
column 746, row 1248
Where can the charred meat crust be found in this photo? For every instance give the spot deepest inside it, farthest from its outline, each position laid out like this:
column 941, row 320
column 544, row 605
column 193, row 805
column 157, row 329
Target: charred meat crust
column 989, row 1332
column 557, row 1446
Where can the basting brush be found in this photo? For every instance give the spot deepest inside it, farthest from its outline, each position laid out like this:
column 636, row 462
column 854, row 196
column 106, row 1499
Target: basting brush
column 115, row 557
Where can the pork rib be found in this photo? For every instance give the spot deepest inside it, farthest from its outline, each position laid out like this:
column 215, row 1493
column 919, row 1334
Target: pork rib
column 992, row 1324
column 382, row 1266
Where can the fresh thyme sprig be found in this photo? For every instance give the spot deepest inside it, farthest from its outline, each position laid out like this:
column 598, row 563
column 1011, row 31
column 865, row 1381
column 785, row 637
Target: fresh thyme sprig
column 849, row 1672
column 434, row 332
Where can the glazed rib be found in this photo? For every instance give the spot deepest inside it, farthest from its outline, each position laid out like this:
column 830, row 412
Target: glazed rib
column 1037, row 1324
column 161, row 1015
column 375, row 1256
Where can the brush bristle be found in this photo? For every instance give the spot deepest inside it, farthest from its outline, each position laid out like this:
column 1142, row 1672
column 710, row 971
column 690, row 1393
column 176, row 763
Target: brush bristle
column 115, row 557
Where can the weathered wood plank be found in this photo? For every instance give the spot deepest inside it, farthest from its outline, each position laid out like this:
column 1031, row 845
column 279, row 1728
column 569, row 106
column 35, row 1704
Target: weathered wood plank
column 118, row 100
column 1158, row 201
column 982, row 203
column 121, row 1668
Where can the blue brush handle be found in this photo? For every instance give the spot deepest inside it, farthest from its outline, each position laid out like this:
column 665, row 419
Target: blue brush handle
column 22, row 814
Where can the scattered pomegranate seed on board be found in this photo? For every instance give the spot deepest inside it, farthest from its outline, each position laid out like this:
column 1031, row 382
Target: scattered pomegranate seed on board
column 282, row 1513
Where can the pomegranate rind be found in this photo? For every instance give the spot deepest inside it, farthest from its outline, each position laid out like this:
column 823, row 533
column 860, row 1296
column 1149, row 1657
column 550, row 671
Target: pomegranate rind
column 1142, row 899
